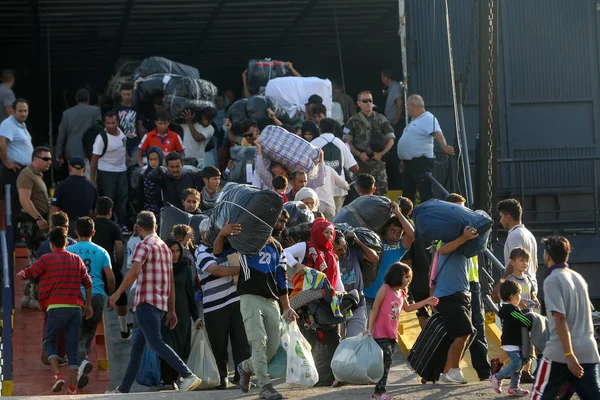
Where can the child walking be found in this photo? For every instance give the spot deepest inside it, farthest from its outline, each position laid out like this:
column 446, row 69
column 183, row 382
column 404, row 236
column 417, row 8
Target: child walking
column 513, row 320
column 385, row 316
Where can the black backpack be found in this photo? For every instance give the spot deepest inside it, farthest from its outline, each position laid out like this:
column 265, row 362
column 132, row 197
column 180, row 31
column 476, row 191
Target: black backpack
column 333, row 156
column 89, row 137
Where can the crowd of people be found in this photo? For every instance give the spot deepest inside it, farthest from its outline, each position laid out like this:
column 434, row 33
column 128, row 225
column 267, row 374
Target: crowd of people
column 79, row 237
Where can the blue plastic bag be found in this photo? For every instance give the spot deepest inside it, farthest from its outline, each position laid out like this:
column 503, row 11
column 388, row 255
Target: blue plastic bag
column 149, row 372
column 278, row 364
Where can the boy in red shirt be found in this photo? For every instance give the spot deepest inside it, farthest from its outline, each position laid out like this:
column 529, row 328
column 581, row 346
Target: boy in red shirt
column 61, row 275
column 162, row 137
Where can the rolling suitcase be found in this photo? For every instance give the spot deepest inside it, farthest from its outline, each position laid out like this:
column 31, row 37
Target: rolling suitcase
column 430, row 351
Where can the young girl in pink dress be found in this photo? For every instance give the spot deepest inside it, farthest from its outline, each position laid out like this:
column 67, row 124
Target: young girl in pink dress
column 385, row 316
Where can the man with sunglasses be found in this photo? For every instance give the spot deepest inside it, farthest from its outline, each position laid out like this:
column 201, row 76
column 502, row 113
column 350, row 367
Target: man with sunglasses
column 249, row 132
column 370, row 137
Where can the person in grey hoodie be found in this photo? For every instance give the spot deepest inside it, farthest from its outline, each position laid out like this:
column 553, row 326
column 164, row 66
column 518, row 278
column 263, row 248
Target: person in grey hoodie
column 73, row 125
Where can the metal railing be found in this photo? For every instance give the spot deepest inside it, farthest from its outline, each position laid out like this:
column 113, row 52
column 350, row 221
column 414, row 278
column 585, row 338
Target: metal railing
column 7, row 248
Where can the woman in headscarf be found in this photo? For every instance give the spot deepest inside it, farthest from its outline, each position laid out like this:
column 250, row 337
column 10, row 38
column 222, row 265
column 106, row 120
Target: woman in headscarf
column 149, row 197
column 309, row 197
column 317, row 253
column 180, row 338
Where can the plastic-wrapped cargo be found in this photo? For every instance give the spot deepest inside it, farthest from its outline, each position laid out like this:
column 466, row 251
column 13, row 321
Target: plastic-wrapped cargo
column 241, row 156
column 441, row 220
column 171, row 216
column 292, row 93
column 237, row 111
column 291, row 151
column 371, row 212
column 176, row 105
column 256, row 108
column 370, row 239
column 299, row 213
column 300, row 233
column 260, row 72
column 157, row 65
column 256, row 210
column 160, row 85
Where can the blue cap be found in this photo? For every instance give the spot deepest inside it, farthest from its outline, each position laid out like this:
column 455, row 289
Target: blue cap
column 77, row 162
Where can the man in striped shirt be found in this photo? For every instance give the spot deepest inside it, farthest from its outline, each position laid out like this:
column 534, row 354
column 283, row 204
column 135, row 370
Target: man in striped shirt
column 61, row 275
column 221, row 301
column 154, row 295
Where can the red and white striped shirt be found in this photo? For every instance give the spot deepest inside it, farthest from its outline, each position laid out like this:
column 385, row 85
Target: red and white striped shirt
column 153, row 284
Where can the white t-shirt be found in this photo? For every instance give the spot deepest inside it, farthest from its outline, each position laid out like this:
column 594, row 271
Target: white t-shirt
column 348, row 160
column 332, row 181
column 114, row 160
column 417, row 138
column 194, row 149
column 519, row 236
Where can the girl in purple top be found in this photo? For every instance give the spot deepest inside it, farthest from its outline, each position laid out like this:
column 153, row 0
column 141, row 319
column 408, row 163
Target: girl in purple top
column 385, row 316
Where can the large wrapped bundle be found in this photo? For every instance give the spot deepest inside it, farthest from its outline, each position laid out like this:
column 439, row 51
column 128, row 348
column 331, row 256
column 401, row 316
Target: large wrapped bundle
column 171, row 216
column 291, row 151
column 176, row 105
column 441, row 220
column 260, row 72
column 372, row 241
column 241, row 156
column 160, row 85
column 157, row 65
column 257, row 106
column 237, row 111
column 299, row 233
column 371, row 212
column 256, row 210
column 292, row 93
column 299, row 213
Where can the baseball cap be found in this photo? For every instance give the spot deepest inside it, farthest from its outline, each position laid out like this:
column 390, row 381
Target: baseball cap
column 77, row 162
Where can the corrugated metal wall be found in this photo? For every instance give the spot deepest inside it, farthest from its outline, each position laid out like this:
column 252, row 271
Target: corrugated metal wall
column 549, row 90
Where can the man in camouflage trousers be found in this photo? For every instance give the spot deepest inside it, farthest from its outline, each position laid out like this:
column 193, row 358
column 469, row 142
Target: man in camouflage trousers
column 370, row 137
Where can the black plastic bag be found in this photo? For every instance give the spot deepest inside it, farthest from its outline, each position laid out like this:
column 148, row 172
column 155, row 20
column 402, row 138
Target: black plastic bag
column 260, row 72
column 171, row 216
column 256, row 210
column 156, row 65
column 159, row 85
column 299, row 213
column 257, row 106
column 299, row 233
column 372, row 241
column 176, row 105
column 237, row 111
column 371, row 212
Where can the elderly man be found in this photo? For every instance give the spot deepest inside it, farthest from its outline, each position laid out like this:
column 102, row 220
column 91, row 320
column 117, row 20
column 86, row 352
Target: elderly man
column 370, row 137
column 415, row 148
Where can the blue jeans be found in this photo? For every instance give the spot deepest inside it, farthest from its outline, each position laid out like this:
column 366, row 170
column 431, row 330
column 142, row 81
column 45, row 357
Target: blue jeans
column 69, row 319
column 148, row 319
column 513, row 369
column 479, row 348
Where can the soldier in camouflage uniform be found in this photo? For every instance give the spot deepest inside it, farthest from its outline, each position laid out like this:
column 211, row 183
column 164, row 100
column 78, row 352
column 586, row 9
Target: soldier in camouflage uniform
column 370, row 137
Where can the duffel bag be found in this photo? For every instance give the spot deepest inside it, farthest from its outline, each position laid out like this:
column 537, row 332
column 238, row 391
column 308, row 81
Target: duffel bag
column 371, row 212
column 371, row 240
column 260, row 72
column 291, row 151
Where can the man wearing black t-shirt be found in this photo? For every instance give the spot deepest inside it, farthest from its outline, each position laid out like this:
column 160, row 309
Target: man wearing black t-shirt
column 109, row 237
column 128, row 119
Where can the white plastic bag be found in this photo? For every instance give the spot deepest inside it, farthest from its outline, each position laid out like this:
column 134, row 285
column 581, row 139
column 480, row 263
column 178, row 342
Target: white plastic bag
column 202, row 361
column 301, row 369
column 358, row 360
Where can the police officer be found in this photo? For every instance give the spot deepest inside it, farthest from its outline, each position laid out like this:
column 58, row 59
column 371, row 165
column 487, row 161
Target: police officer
column 370, row 137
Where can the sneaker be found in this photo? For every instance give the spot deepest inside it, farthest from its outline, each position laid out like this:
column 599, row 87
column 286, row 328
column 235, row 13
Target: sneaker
column 190, row 383
column 82, row 374
column 222, row 385
column 71, row 391
column 381, row 396
column 62, row 361
column 496, row 365
column 115, row 391
column 526, row 377
column 59, row 382
column 496, row 384
column 517, row 392
column 454, row 376
column 126, row 335
column 244, row 381
column 269, row 393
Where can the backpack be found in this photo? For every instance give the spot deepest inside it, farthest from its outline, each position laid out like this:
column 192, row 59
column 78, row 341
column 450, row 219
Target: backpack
column 333, row 156
column 89, row 137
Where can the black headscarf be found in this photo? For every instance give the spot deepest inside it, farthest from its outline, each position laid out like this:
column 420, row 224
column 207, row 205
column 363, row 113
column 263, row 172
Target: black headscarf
column 182, row 264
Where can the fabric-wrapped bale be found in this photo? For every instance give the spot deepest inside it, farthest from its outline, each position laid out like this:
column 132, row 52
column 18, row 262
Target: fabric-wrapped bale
column 371, row 212
column 160, row 85
column 155, row 65
column 292, row 93
column 260, row 72
column 256, row 108
column 237, row 111
column 291, row 151
column 372, row 241
column 176, row 105
column 171, row 216
column 441, row 220
column 256, row 210
column 299, row 213
column 240, row 155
